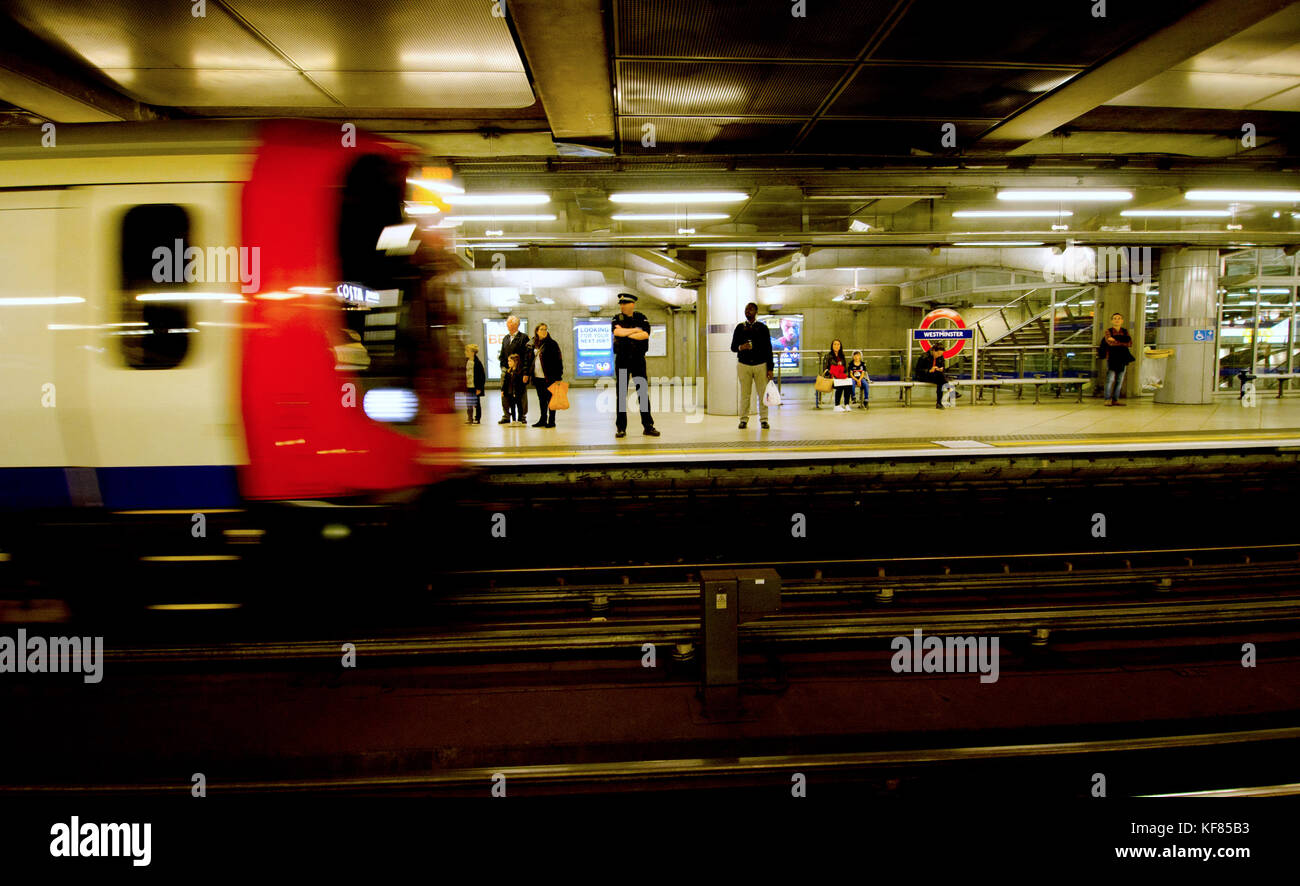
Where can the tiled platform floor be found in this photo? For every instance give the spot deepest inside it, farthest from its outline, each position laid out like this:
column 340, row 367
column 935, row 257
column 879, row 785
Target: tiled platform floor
column 586, row 431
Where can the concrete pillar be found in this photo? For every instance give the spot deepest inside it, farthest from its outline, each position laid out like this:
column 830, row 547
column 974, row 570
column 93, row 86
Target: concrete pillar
column 1119, row 298
column 730, row 283
column 1189, row 287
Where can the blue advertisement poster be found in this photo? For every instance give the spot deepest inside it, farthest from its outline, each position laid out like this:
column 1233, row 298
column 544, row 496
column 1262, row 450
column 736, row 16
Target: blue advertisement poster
column 593, row 341
column 787, row 339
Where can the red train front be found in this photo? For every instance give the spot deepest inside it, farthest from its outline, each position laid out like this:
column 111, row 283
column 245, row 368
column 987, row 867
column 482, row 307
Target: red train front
column 346, row 382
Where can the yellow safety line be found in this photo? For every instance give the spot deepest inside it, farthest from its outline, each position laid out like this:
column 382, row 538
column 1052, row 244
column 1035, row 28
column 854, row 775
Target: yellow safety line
column 557, row 453
column 188, row 511
column 191, row 558
column 190, row 607
column 1073, row 441
column 1180, row 438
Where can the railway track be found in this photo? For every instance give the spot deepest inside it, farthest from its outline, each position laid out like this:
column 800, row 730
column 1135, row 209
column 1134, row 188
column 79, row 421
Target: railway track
column 898, row 765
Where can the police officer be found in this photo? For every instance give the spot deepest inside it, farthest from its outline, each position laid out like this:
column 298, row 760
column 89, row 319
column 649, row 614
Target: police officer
column 631, row 341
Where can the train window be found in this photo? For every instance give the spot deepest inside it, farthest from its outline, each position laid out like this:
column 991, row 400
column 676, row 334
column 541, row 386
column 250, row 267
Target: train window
column 386, row 339
column 155, row 319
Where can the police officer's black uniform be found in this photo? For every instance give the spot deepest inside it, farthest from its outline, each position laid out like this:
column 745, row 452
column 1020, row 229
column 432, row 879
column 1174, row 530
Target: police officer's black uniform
column 630, row 368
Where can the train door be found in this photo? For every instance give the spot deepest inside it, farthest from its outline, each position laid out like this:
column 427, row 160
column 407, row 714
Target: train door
column 164, row 293
column 42, row 305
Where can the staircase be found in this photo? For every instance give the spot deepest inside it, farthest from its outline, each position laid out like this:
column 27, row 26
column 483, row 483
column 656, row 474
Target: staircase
column 1030, row 323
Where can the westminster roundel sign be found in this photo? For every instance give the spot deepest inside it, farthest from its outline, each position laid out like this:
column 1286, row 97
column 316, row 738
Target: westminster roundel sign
column 943, row 329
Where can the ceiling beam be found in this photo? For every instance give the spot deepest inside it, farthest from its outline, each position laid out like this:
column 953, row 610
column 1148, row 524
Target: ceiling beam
column 49, row 84
column 564, row 44
column 680, row 268
column 1206, row 26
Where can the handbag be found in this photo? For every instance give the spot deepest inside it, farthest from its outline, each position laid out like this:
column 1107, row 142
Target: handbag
column 559, row 395
column 824, row 384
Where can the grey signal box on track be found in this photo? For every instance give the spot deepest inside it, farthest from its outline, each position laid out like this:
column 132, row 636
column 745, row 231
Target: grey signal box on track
column 730, row 597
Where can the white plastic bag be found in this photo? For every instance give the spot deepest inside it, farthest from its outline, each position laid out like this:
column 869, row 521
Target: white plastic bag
column 772, row 396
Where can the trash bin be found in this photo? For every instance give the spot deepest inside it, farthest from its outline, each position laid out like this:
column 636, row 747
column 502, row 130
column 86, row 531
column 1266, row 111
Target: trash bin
column 1154, row 365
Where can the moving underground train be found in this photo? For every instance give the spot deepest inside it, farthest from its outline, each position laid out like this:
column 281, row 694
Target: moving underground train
column 208, row 315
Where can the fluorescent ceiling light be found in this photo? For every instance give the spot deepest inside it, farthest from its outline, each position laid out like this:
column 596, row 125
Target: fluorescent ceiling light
column 1000, row 243
column 668, row 216
column 33, row 300
column 1176, row 213
column 678, row 197
column 1246, row 196
column 686, row 230
column 182, row 296
column 873, row 196
column 1273, row 291
column 1074, row 195
column 497, row 199
column 547, row 301
column 492, row 244
column 743, row 245
column 421, row 209
column 471, row 219
column 1011, row 213
column 436, row 185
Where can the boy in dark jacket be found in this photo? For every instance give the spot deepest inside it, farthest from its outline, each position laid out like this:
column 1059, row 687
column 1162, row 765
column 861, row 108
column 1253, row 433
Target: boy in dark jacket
column 475, row 379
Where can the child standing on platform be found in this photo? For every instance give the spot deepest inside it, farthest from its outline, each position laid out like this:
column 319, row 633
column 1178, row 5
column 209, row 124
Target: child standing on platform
column 512, row 390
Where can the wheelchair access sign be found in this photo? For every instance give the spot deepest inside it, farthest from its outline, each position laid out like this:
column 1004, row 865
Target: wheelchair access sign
column 1202, row 335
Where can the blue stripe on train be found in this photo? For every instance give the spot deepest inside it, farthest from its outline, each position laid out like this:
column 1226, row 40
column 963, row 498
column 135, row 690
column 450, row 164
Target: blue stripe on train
column 184, row 486
column 33, row 488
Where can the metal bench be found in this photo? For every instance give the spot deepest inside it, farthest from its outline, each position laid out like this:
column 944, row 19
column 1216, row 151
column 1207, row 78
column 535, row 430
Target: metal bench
column 904, row 392
column 1282, row 378
column 1037, row 383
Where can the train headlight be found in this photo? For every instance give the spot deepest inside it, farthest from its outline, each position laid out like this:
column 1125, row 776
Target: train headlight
column 390, row 404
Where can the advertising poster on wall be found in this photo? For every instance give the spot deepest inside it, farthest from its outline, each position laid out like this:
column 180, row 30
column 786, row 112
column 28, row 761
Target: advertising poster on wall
column 493, row 332
column 593, row 341
column 658, row 340
column 787, row 339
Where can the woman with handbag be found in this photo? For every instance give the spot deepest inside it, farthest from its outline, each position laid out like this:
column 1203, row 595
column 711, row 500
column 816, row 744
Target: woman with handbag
column 835, row 367
column 548, row 369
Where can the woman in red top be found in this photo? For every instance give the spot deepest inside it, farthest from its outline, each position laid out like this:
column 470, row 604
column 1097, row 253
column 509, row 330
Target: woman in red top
column 835, row 366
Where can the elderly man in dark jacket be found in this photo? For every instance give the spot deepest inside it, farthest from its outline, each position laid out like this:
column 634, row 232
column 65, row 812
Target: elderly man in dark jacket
column 517, row 343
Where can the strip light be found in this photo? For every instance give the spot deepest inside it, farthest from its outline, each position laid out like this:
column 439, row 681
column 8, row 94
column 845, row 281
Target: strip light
column 678, row 197
column 1246, row 196
column 1176, row 213
column 441, row 187
column 496, row 199
column 1011, row 213
column 460, row 219
column 668, row 216
column 1074, row 195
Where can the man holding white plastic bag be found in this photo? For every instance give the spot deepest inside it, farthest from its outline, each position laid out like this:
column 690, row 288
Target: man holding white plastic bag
column 752, row 344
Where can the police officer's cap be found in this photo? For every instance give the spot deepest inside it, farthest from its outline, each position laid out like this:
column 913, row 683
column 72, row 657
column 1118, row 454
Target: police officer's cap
column 626, row 298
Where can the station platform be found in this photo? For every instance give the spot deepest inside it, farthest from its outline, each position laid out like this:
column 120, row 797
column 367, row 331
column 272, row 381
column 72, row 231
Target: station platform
column 584, row 434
